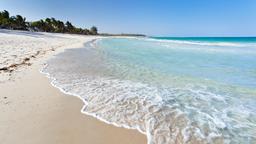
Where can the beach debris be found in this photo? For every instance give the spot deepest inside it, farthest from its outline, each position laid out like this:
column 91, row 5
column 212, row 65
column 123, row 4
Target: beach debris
column 12, row 67
column 26, row 59
column 4, row 69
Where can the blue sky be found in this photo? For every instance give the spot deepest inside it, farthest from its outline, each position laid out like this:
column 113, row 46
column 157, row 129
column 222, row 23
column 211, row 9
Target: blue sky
column 152, row 17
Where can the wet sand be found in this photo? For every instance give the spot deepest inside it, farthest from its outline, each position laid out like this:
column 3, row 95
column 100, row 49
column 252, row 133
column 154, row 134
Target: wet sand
column 35, row 112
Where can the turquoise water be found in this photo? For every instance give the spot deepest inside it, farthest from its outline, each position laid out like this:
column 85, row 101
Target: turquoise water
column 174, row 90
column 225, row 64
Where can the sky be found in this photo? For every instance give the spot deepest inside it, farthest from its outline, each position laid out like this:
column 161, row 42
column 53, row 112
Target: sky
column 151, row 17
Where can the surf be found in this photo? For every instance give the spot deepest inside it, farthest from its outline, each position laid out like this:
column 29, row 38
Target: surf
column 172, row 95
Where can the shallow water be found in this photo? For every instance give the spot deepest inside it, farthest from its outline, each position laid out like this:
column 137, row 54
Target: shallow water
column 172, row 90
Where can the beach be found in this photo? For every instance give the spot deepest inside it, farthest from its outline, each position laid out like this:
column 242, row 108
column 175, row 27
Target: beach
column 174, row 90
column 66, row 88
column 32, row 110
column 127, row 72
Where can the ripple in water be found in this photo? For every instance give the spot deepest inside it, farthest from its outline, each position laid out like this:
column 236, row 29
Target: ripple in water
column 136, row 84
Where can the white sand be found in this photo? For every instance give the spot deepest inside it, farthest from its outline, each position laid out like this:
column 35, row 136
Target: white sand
column 19, row 48
column 34, row 112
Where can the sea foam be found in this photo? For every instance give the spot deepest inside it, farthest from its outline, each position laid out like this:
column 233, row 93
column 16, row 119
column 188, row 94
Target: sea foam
column 168, row 109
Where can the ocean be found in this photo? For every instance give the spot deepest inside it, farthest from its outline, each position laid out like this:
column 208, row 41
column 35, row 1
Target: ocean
column 173, row 90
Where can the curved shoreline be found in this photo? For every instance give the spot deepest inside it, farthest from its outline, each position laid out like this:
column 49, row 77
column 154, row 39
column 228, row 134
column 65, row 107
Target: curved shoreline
column 52, row 80
column 89, row 74
column 85, row 103
column 33, row 111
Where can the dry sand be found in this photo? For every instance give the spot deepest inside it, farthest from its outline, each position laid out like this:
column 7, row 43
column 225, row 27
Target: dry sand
column 33, row 111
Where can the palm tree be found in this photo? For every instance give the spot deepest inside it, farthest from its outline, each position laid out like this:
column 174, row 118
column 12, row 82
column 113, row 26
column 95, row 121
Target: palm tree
column 93, row 30
column 54, row 25
column 4, row 19
column 70, row 28
column 20, row 22
column 86, row 32
column 5, row 14
column 61, row 26
column 47, row 25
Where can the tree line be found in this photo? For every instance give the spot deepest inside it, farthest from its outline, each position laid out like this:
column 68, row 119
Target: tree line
column 19, row 22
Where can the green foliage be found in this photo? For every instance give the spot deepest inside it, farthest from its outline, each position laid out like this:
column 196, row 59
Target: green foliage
column 94, row 30
column 19, row 22
column 46, row 25
column 4, row 19
column 4, row 14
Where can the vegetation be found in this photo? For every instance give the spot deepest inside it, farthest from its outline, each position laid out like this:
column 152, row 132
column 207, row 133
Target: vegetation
column 44, row 25
column 49, row 25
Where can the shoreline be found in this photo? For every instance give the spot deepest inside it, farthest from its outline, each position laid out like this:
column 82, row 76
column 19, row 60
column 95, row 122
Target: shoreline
column 33, row 111
column 84, row 105
column 52, row 80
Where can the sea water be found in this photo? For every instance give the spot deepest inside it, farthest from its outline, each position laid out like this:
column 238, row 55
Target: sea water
column 174, row 90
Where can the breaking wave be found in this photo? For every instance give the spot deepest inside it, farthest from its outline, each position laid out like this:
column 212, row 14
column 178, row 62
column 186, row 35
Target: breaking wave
column 169, row 109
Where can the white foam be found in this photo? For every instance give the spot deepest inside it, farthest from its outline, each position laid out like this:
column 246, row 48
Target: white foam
column 229, row 44
column 165, row 114
column 130, row 105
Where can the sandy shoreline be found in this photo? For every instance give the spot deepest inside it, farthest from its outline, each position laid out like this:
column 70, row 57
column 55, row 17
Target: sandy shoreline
column 33, row 111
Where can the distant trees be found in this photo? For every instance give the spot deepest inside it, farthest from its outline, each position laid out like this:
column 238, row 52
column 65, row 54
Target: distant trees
column 19, row 22
column 44, row 25
column 14, row 22
column 4, row 19
column 94, row 30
